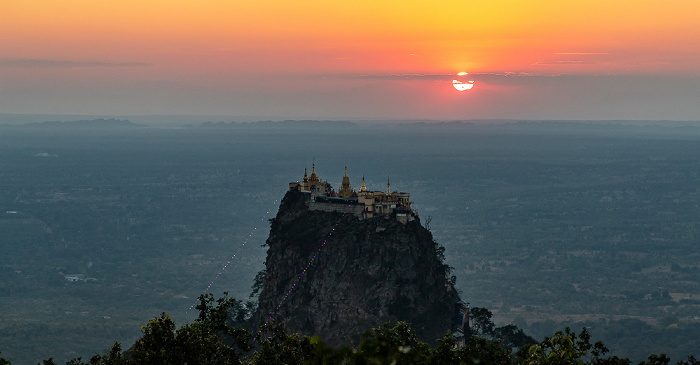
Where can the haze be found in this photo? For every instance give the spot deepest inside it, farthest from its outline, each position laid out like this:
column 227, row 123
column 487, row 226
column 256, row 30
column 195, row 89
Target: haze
column 541, row 59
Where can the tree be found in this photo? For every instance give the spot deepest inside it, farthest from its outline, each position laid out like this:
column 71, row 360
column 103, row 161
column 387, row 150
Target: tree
column 657, row 360
column 226, row 318
column 480, row 322
column 258, row 283
column 568, row 348
column 662, row 359
column 280, row 347
column 157, row 345
column 445, row 352
column 386, row 345
column 513, row 337
column 114, row 357
column 209, row 340
column 479, row 350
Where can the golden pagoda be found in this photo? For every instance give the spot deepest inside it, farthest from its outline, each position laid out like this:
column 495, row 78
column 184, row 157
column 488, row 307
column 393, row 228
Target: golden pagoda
column 314, row 180
column 363, row 188
column 345, row 189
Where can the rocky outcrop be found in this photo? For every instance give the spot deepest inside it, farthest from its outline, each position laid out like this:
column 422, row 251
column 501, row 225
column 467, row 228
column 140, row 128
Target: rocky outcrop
column 332, row 275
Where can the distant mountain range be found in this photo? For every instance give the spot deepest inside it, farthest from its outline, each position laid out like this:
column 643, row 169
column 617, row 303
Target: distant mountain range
column 595, row 127
column 93, row 123
column 268, row 124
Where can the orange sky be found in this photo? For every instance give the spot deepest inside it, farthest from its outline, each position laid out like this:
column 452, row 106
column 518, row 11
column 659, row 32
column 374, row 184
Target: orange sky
column 214, row 44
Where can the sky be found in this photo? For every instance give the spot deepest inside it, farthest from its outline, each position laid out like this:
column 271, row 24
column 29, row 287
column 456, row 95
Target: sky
column 538, row 59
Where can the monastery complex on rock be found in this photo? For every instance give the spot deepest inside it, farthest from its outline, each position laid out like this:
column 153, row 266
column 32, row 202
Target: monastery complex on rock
column 364, row 204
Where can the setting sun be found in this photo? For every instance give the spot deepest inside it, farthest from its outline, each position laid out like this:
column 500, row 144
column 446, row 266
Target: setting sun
column 462, row 85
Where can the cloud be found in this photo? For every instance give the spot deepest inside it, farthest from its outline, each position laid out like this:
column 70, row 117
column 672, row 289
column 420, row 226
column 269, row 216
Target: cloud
column 576, row 58
column 406, row 76
column 443, row 76
column 580, row 53
column 565, row 62
column 46, row 63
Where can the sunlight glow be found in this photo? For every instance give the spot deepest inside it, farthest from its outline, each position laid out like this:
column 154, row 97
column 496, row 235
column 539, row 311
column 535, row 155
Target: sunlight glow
column 462, row 86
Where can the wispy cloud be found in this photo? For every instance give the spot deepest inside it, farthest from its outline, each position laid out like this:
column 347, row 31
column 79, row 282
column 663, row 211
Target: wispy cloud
column 407, row 76
column 576, row 58
column 565, row 62
column 443, row 76
column 580, row 53
column 47, row 63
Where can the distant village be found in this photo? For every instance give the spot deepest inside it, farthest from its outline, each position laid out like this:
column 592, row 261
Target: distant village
column 363, row 203
column 72, row 278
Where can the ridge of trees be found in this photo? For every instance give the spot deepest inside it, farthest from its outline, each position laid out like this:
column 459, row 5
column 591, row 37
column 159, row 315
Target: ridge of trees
column 219, row 336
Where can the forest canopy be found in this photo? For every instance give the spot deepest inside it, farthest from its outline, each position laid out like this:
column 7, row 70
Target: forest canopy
column 219, row 336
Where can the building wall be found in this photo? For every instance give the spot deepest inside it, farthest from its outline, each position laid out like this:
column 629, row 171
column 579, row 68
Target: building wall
column 335, row 207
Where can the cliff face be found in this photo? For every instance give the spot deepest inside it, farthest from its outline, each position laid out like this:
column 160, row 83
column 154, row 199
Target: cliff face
column 332, row 275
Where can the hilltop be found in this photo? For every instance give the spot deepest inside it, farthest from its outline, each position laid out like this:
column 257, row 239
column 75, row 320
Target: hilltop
column 334, row 273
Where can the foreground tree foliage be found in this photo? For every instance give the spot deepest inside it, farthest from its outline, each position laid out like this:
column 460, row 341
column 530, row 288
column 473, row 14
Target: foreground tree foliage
column 510, row 336
column 217, row 337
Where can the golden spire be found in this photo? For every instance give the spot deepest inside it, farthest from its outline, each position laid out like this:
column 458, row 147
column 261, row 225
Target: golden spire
column 306, row 178
column 314, row 180
column 363, row 187
column 387, row 185
column 345, row 190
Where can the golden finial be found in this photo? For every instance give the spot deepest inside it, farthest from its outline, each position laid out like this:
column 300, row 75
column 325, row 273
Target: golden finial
column 313, row 179
column 363, row 187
